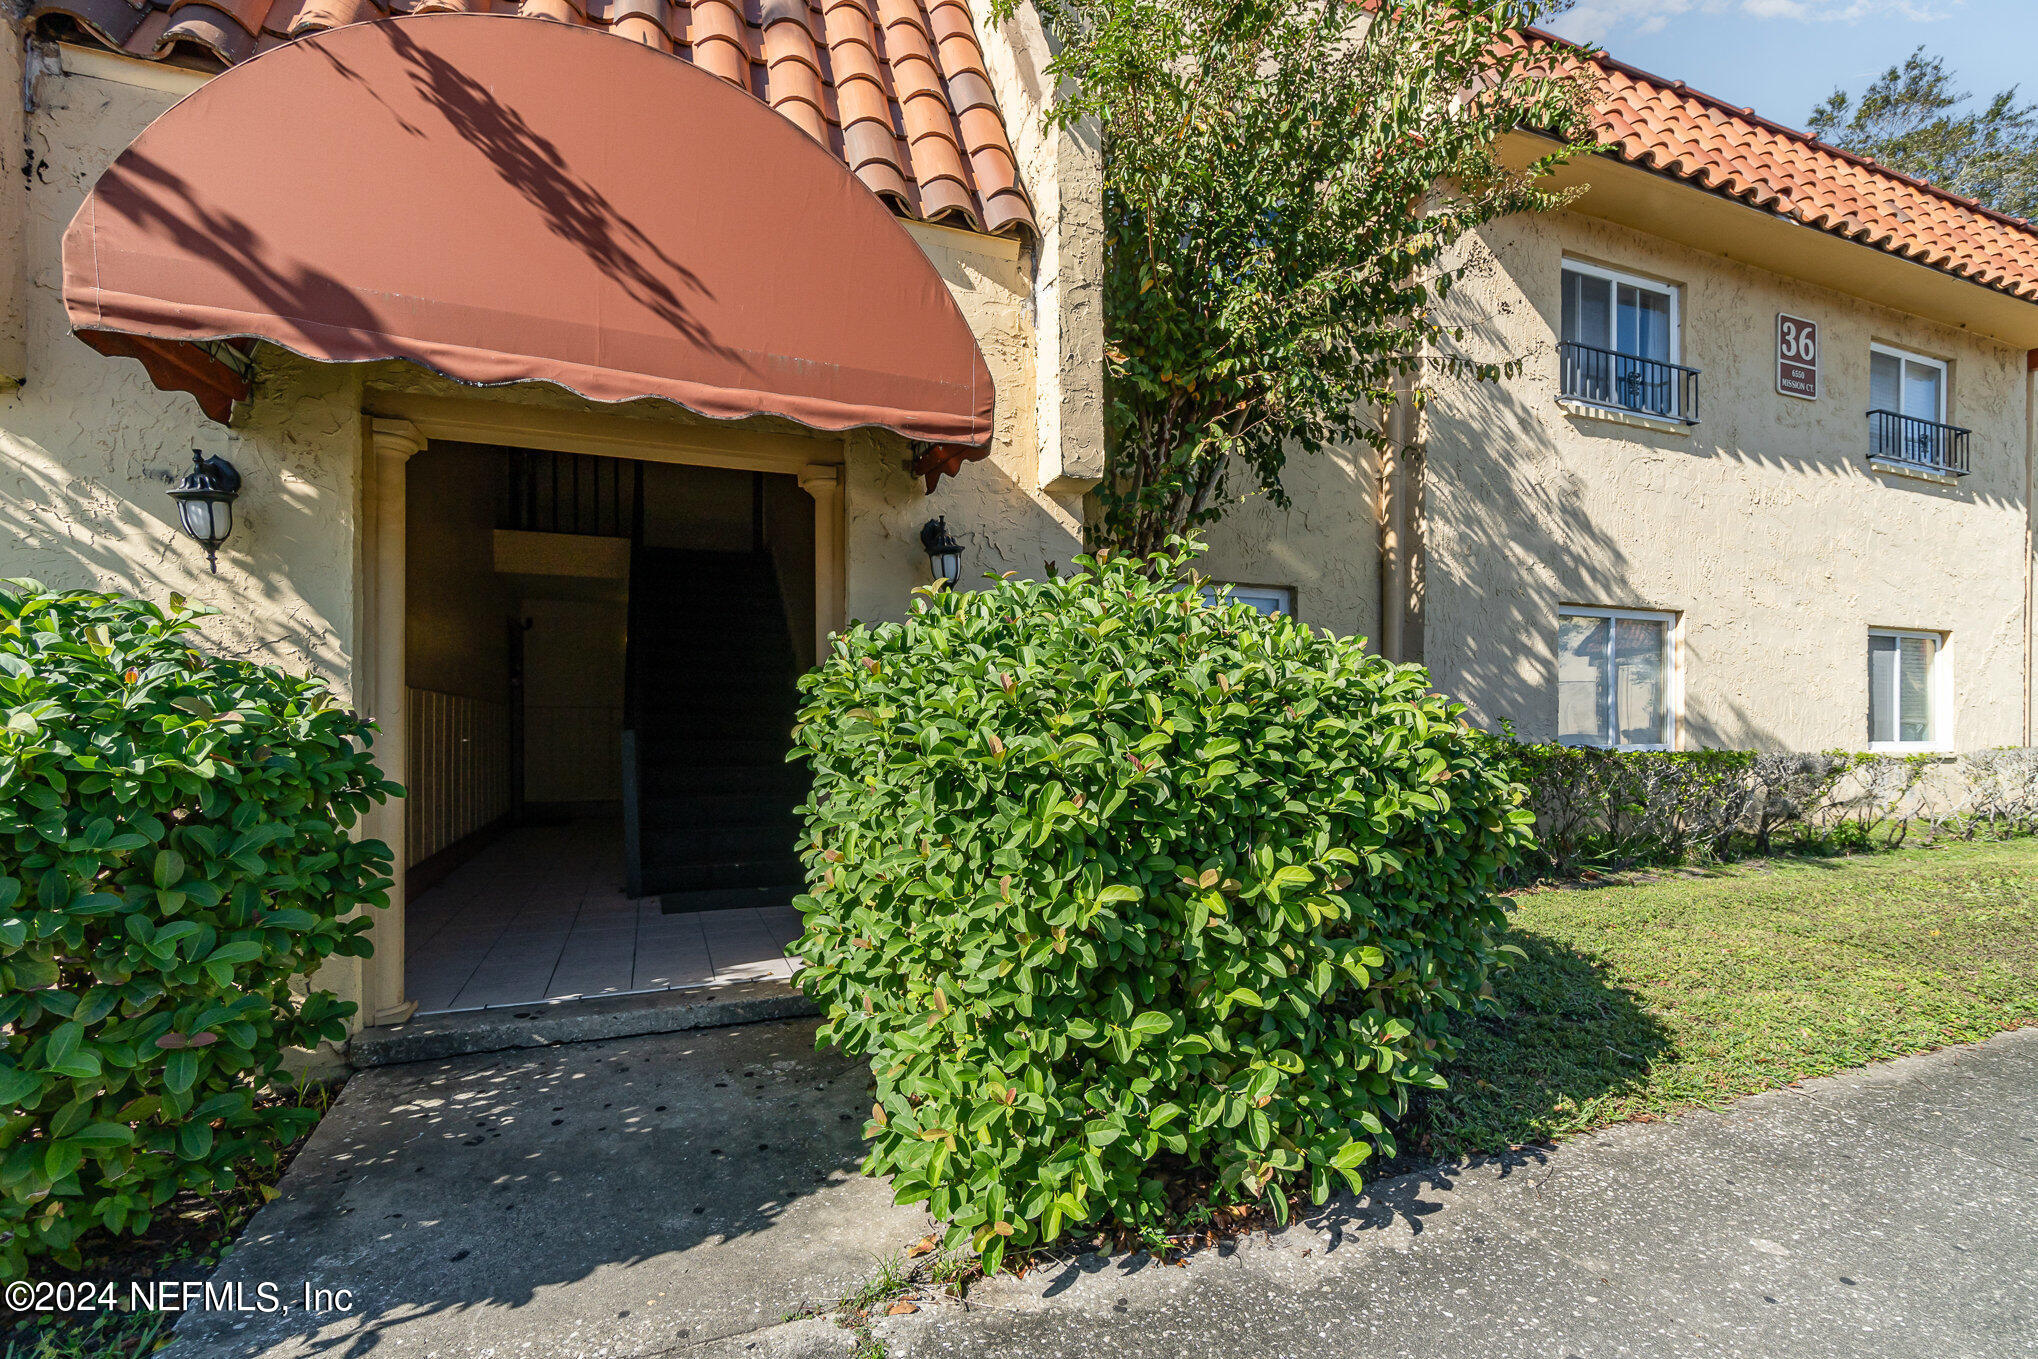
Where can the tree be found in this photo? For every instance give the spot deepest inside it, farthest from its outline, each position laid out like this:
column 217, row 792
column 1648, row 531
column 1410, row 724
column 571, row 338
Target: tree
column 1914, row 118
column 1282, row 183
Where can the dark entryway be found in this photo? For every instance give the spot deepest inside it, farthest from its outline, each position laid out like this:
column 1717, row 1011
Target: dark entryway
column 602, row 656
column 708, row 796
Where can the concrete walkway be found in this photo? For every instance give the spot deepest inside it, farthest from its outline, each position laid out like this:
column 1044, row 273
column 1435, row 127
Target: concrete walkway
column 625, row 1198
column 681, row 1194
column 1889, row 1213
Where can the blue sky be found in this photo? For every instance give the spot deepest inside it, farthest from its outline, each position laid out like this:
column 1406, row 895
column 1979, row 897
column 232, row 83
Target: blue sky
column 1784, row 56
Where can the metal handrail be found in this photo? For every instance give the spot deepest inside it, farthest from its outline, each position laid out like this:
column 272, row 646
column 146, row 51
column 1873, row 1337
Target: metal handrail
column 1915, row 442
column 1628, row 382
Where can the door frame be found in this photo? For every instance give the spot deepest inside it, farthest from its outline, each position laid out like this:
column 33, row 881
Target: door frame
column 396, row 427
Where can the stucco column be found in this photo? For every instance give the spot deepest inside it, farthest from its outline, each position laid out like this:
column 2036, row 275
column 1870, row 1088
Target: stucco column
column 824, row 483
column 1401, row 531
column 392, row 444
column 14, row 238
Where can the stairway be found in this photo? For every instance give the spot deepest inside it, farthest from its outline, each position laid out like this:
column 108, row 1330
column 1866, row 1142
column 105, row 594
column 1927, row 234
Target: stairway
column 709, row 705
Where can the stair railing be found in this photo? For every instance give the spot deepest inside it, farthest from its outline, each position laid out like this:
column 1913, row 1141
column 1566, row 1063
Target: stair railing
column 633, row 818
column 633, row 688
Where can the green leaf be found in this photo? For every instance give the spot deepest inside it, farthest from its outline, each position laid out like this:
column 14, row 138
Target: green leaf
column 62, row 1157
column 169, row 868
column 180, row 1070
column 1351, row 1154
column 1291, row 875
column 17, row 1085
column 103, row 1135
column 79, row 1066
column 64, row 1040
column 1150, row 1023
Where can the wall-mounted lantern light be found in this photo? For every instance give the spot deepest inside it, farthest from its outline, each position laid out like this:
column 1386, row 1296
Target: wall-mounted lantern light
column 944, row 554
column 205, row 503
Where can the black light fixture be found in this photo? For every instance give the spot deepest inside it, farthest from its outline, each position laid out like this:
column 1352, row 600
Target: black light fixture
column 944, row 554
column 205, row 503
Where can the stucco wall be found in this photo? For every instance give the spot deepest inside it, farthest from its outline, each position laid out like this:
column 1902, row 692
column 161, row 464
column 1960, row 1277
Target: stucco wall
column 992, row 506
column 90, row 447
column 1325, row 546
column 1062, row 169
column 13, row 212
column 1763, row 527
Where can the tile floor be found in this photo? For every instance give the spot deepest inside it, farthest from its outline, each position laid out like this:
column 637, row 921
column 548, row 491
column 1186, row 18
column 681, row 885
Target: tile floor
column 541, row 915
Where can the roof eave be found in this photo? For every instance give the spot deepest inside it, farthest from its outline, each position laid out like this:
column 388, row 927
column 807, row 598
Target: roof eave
column 1674, row 208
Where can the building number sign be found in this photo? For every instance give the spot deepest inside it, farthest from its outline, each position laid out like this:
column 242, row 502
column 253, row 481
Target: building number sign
column 1797, row 356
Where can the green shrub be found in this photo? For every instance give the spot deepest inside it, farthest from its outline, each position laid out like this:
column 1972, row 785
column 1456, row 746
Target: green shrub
column 1603, row 808
column 174, row 860
column 1600, row 809
column 1114, row 886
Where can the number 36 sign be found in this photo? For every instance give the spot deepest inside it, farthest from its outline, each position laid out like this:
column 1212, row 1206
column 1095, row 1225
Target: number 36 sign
column 1797, row 356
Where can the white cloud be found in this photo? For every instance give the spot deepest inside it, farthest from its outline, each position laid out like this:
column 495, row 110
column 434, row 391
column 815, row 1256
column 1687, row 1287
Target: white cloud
column 1604, row 21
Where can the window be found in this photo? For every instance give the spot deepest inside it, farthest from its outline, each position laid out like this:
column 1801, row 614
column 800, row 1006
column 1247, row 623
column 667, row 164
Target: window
column 1902, row 677
column 1620, row 344
column 1615, row 668
column 1907, row 412
column 1620, row 312
column 1265, row 598
column 1907, row 384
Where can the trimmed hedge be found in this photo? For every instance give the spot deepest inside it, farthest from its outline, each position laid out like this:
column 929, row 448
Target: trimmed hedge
column 1606, row 809
column 1119, row 889
column 174, row 862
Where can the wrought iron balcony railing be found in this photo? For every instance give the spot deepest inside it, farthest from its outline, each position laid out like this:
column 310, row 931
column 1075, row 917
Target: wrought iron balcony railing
column 1924, row 444
column 1627, row 382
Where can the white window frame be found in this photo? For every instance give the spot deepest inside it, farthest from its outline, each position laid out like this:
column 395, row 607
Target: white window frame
column 1938, row 695
column 1282, row 595
column 1673, row 642
column 1926, row 360
column 1616, row 276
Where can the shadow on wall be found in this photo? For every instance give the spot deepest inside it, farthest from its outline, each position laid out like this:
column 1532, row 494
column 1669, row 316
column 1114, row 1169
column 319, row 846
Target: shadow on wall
column 1509, row 541
column 72, row 530
column 1324, row 546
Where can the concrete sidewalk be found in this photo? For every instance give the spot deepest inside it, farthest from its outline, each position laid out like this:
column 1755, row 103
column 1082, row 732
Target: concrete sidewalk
column 1892, row 1212
column 681, row 1194
column 623, row 1198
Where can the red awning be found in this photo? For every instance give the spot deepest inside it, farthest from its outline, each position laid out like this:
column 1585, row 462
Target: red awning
column 506, row 199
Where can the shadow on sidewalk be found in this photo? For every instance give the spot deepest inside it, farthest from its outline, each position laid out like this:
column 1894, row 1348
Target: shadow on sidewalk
column 622, row 1197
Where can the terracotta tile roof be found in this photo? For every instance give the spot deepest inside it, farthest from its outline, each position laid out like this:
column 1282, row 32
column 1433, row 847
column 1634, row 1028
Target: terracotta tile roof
column 896, row 88
column 1668, row 127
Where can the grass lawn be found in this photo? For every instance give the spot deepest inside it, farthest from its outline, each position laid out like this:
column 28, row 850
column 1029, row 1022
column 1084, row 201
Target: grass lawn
column 1646, row 997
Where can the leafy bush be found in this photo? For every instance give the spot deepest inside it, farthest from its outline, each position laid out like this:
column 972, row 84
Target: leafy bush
column 1595, row 807
column 174, row 860
column 2001, row 793
column 1116, row 887
column 1614, row 808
